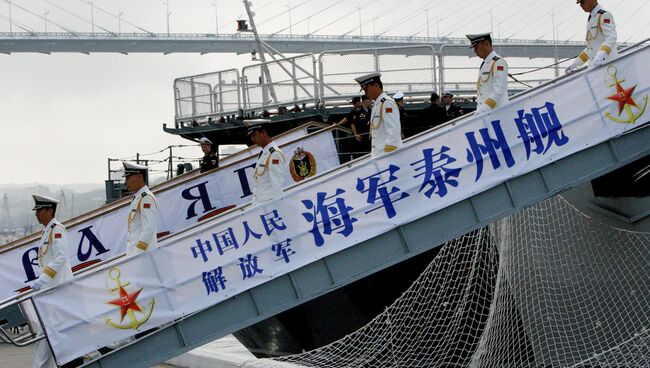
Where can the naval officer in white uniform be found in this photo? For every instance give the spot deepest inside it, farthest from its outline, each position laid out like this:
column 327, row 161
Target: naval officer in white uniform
column 143, row 214
column 54, row 264
column 600, row 38
column 492, row 84
column 385, row 124
column 271, row 167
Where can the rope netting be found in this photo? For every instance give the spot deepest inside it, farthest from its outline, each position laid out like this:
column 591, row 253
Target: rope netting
column 545, row 287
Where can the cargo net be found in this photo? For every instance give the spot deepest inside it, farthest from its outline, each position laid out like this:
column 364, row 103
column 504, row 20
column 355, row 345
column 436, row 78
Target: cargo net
column 545, row 287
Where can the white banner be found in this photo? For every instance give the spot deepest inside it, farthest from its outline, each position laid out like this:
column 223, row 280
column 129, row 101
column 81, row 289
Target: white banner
column 219, row 259
column 180, row 206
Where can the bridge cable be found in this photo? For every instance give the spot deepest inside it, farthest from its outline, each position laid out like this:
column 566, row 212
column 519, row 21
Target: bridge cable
column 116, row 17
column 423, row 28
column 527, row 25
column 41, row 17
column 308, row 17
column 78, row 16
column 382, row 14
column 18, row 24
column 403, row 19
column 439, row 19
column 332, row 22
column 275, row 17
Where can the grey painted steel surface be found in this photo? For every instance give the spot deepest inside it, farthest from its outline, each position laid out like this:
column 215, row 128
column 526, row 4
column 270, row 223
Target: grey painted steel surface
column 381, row 252
column 244, row 43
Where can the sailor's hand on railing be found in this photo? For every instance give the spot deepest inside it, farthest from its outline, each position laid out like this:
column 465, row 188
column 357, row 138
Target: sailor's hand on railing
column 598, row 60
column 38, row 285
column 571, row 68
column 358, row 138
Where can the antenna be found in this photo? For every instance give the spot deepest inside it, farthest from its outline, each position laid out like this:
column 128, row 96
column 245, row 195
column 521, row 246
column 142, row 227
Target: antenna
column 5, row 211
column 260, row 47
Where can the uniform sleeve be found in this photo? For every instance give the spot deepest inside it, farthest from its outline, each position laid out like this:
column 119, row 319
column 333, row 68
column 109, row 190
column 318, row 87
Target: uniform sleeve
column 58, row 247
column 500, row 75
column 277, row 168
column 148, row 215
column 582, row 58
column 609, row 32
column 393, row 124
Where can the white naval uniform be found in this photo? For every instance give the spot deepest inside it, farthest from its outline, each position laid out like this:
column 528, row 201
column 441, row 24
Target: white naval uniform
column 270, row 170
column 385, row 126
column 55, row 270
column 492, row 84
column 143, row 216
column 601, row 36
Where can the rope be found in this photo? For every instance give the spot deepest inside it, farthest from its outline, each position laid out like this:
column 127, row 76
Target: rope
column 544, row 67
column 518, row 81
column 512, row 75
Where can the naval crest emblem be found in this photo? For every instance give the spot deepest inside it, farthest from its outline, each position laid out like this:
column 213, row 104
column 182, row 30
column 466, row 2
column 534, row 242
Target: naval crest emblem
column 303, row 165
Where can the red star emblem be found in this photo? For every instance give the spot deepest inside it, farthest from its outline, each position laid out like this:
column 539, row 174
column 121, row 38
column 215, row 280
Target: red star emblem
column 126, row 301
column 623, row 97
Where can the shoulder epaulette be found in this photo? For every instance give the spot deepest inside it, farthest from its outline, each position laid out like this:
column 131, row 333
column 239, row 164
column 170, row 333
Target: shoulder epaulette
column 601, row 11
column 383, row 99
column 496, row 58
column 144, row 194
column 271, row 149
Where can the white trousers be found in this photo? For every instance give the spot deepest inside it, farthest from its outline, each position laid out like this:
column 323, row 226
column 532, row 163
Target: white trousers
column 42, row 354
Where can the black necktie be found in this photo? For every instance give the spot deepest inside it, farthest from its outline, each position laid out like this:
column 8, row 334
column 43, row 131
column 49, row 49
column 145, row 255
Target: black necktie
column 589, row 18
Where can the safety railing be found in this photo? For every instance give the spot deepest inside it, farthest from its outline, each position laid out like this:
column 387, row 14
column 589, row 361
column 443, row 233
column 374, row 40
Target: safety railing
column 328, row 79
column 284, row 82
column 205, row 95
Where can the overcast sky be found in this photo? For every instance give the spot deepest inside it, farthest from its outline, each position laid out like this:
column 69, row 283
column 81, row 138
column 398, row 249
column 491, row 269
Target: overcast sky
column 63, row 115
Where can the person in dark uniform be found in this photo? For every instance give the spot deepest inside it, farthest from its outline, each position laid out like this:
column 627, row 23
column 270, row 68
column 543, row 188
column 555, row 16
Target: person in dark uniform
column 434, row 115
column 210, row 160
column 356, row 105
column 360, row 124
column 451, row 110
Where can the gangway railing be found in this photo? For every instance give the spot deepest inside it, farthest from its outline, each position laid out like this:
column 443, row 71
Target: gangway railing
column 581, row 144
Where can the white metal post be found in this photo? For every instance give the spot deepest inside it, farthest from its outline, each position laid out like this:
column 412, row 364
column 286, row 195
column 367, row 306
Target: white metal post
column 426, row 11
column 359, row 10
column 216, row 18
column 166, row 3
column 45, row 18
column 290, row 22
column 11, row 23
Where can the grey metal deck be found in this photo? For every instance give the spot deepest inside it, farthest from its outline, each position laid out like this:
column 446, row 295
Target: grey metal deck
column 380, row 252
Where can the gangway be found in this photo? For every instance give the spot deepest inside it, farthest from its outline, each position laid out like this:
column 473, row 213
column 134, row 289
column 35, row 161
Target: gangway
column 18, row 255
column 589, row 123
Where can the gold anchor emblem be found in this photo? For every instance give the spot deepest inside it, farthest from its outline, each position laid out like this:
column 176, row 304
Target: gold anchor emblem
column 625, row 101
column 127, row 303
